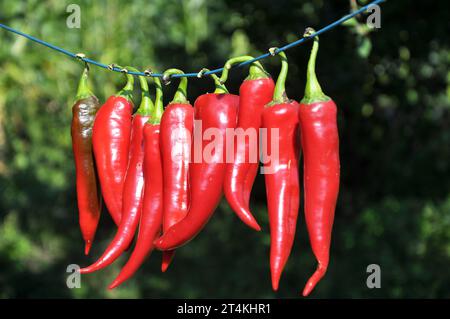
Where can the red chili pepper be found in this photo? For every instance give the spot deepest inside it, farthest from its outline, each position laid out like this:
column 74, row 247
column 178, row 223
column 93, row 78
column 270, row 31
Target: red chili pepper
column 320, row 143
column 151, row 217
column 177, row 124
column 133, row 188
column 111, row 141
column 88, row 193
column 281, row 174
column 255, row 92
column 216, row 111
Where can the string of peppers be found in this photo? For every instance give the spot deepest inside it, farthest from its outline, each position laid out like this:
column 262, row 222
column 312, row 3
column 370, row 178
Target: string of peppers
column 143, row 163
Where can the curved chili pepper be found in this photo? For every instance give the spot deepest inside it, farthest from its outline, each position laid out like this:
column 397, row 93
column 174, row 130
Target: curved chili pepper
column 320, row 143
column 134, row 178
column 134, row 186
column 151, row 217
column 88, row 193
column 177, row 124
column 217, row 111
column 281, row 174
column 255, row 92
column 111, row 141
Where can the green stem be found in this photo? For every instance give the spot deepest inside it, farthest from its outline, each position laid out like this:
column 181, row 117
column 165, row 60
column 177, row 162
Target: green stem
column 127, row 91
column 220, row 87
column 256, row 70
column 181, row 93
column 313, row 91
column 84, row 91
column 158, row 110
column 146, row 106
column 279, row 94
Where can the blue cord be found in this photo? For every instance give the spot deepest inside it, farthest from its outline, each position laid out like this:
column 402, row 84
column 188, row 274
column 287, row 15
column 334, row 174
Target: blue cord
column 266, row 55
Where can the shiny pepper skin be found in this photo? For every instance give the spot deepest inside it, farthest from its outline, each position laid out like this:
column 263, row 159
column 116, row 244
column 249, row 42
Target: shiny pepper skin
column 177, row 125
column 240, row 175
column 111, row 139
column 88, row 192
column 282, row 182
column 217, row 111
column 151, row 217
column 320, row 143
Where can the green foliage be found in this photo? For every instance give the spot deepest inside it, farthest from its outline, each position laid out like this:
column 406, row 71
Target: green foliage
column 392, row 87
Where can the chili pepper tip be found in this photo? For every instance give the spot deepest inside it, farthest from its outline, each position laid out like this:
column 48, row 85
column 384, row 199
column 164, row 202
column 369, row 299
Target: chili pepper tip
column 314, row 279
column 87, row 247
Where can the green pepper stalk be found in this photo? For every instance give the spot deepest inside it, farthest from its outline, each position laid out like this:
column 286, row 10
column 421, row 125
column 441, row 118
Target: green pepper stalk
column 220, row 87
column 87, row 185
column 180, row 96
column 84, row 91
column 254, row 93
column 158, row 110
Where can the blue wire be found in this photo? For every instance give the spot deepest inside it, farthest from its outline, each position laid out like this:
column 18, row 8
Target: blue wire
column 266, row 55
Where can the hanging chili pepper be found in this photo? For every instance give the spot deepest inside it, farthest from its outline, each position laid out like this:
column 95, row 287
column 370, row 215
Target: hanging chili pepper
column 177, row 124
column 111, row 140
column 216, row 111
column 255, row 92
column 152, row 206
column 281, row 174
column 134, row 178
column 320, row 143
column 133, row 187
column 88, row 193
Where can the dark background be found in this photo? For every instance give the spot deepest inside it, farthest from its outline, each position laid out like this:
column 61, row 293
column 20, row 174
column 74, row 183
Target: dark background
column 392, row 89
